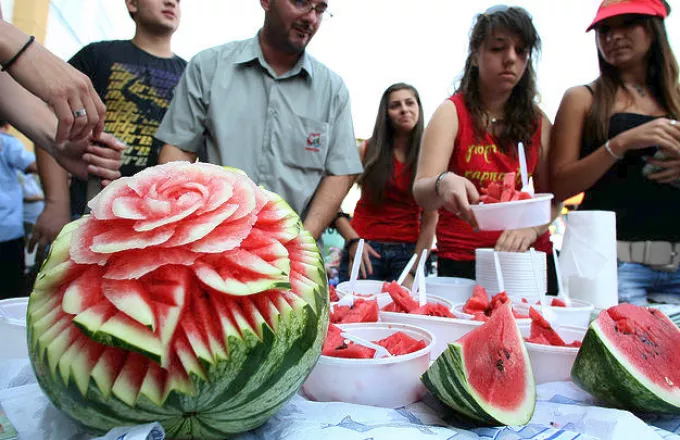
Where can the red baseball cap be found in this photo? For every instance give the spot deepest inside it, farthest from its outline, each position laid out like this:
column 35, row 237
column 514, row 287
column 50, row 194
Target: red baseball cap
column 612, row 8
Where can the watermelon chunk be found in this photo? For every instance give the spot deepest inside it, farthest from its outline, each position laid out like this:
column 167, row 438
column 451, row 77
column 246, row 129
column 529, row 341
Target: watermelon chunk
column 629, row 360
column 361, row 311
column 433, row 309
column 478, row 302
column 401, row 297
column 505, row 192
column 558, row 302
column 400, row 343
column 486, row 376
column 337, row 346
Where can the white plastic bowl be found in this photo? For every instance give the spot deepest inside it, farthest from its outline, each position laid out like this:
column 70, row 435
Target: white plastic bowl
column 577, row 315
column 553, row 364
column 445, row 330
column 513, row 215
column 365, row 288
column 520, row 321
column 13, row 343
column 456, row 290
column 386, row 382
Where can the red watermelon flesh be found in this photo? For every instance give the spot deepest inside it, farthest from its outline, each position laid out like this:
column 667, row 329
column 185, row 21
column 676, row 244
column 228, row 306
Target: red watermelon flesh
column 336, row 346
column 433, row 309
column 362, row 311
column 401, row 297
column 333, row 294
column 478, row 302
column 495, row 193
column 557, row 302
column 542, row 333
column 496, row 367
column 400, row 343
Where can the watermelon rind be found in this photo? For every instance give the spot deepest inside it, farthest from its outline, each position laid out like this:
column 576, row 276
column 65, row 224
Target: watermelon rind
column 604, row 372
column 448, row 380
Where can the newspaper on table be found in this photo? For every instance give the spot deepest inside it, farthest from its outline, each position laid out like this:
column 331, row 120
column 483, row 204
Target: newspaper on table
column 563, row 411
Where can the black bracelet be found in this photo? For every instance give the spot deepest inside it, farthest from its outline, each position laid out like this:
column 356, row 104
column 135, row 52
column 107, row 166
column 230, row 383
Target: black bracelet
column 351, row 241
column 438, row 182
column 339, row 215
column 18, row 54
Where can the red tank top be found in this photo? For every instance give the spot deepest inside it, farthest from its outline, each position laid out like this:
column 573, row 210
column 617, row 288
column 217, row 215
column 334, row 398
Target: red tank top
column 481, row 162
column 397, row 219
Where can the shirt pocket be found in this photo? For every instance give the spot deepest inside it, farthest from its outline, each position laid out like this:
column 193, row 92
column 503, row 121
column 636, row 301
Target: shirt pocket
column 305, row 143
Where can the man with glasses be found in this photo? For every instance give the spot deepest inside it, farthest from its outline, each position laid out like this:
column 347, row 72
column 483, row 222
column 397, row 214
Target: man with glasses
column 267, row 107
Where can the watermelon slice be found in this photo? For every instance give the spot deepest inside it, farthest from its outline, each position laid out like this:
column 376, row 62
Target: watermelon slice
column 486, row 376
column 362, row 311
column 189, row 296
column 400, row 343
column 478, row 302
column 496, row 193
column 543, row 333
column 630, row 360
column 401, row 297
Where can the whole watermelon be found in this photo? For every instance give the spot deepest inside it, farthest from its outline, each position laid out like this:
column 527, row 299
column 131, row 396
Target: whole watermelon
column 189, row 296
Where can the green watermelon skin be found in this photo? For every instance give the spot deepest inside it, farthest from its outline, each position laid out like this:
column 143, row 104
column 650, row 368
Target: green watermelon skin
column 602, row 370
column 450, row 380
column 255, row 369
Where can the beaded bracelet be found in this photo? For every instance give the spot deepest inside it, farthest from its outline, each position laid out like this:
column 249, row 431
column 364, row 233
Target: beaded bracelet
column 18, row 54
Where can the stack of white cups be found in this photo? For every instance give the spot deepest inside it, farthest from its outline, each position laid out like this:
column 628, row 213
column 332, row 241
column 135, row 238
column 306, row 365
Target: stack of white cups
column 517, row 271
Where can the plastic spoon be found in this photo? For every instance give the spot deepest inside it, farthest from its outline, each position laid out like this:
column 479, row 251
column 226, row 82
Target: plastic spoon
column 524, row 173
column 356, row 264
column 561, row 293
column 406, row 270
column 546, row 311
column 422, row 292
column 380, row 351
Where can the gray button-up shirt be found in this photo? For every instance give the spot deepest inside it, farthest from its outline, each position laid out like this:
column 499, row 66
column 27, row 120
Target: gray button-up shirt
column 286, row 131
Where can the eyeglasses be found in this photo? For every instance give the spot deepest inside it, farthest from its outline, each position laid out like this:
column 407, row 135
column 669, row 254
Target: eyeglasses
column 505, row 8
column 306, row 6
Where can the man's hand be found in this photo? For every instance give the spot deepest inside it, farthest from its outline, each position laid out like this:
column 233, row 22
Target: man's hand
column 95, row 156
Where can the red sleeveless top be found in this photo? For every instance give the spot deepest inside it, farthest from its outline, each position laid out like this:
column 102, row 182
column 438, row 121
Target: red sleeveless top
column 481, row 162
column 397, row 219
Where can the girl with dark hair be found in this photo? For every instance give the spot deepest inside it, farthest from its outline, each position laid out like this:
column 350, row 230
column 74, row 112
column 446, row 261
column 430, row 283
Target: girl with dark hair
column 617, row 139
column 387, row 216
column 472, row 140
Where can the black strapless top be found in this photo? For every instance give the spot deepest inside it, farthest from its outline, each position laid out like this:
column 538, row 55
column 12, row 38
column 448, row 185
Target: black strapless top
column 645, row 210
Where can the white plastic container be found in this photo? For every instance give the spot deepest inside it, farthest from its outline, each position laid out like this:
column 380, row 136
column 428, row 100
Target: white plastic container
column 456, row 290
column 576, row 315
column 458, row 308
column 553, row 364
column 513, row 215
column 13, row 343
column 363, row 288
column 386, row 382
column 445, row 330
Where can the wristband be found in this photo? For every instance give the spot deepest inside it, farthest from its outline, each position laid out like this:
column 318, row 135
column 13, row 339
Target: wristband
column 611, row 152
column 18, row 54
column 351, row 241
column 438, row 182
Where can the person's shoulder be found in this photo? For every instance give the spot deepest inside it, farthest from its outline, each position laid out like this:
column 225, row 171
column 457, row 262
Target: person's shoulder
column 12, row 143
column 224, row 51
column 106, row 46
column 580, row 96
column 322, row 74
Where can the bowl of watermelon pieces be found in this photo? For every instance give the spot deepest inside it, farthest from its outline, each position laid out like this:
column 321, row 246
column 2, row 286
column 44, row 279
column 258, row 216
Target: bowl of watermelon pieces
column 577, row 314
column 501, row 207
column 479, row 308
column 366, row 289
column 352, row 373
column 552, row 352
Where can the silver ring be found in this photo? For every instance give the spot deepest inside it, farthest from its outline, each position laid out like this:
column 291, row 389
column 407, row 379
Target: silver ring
column 79, row 113
column 674, row 122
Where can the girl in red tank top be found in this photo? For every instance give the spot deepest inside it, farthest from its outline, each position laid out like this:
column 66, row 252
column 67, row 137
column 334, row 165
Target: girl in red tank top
column 472, row 139
column 387, row 216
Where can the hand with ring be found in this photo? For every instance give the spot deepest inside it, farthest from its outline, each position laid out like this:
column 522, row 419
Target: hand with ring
column 70, row 94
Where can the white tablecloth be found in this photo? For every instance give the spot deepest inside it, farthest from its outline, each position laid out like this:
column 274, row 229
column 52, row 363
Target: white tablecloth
column 563, row 412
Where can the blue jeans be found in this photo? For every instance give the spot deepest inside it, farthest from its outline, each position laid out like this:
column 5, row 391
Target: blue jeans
column 393, row 259
column 639, row 283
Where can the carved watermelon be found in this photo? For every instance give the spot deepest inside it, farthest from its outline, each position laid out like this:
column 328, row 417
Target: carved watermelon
column 486, row 375
column 629, row 359
column 190, row 297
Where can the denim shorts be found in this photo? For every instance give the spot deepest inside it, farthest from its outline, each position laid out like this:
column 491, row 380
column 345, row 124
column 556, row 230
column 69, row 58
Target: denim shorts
column 639, row 284
column 393, row 259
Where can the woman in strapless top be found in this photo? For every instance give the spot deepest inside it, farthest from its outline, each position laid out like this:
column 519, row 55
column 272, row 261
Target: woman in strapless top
column 617, row 140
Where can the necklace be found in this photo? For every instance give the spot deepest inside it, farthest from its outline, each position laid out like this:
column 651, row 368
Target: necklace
column 639, row 89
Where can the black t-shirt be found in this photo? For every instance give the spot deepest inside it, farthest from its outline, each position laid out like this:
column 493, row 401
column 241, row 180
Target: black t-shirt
column 645, row 209
column 136, row 88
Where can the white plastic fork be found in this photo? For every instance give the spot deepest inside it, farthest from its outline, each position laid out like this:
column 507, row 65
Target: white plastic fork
column 380, row 351
column 546, row 311
column 524, row 171
column 407, row 268
column 358, row 257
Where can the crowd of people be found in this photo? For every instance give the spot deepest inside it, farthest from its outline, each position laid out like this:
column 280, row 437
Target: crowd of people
column 266, row 106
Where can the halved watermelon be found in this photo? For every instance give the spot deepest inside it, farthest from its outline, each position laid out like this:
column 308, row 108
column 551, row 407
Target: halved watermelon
column 629, row 359
column 190, row 297
column 486, row 376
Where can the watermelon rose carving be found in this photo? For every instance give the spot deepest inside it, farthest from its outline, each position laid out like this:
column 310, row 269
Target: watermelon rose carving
column 189, row 296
